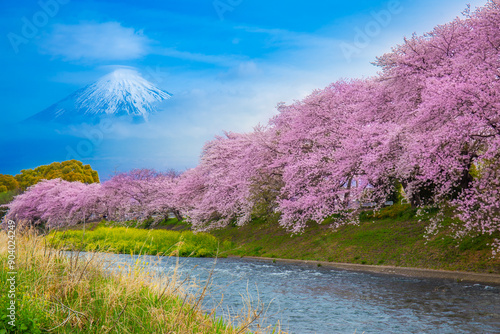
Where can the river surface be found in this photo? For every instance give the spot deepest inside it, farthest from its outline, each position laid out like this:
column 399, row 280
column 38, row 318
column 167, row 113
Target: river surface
column 309, row 299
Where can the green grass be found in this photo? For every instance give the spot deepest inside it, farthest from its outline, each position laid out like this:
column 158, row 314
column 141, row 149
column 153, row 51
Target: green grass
column 129, row 240
column 7, row 196
column 393, row 236
column 166, row 224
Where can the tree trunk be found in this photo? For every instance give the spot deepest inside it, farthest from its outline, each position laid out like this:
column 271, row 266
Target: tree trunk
column 347, row 195
column 177, row 214
column 467, row 179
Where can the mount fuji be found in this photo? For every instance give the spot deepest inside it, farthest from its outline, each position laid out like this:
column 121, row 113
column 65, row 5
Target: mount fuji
column 122, row 93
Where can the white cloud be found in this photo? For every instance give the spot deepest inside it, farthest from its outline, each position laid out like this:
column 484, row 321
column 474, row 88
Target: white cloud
column 95, row 41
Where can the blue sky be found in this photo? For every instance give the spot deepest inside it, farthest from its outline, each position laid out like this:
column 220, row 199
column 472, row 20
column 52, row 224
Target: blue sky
column 227, row 62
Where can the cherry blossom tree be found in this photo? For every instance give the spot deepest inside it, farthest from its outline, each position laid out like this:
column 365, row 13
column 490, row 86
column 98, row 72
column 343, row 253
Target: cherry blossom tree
column 450, row 79
column 221, row 190
column 56, row 203
column 140, row 194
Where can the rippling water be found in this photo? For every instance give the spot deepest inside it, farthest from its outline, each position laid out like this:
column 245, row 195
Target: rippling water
column 309, row 299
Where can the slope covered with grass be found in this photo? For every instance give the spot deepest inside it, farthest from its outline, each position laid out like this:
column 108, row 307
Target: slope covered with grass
column 392, row 236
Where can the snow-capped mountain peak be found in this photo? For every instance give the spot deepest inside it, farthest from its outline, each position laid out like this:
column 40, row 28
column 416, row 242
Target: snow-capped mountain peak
column 120, row 93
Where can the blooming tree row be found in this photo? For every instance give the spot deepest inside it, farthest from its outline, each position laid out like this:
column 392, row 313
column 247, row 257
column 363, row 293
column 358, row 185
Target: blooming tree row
column 137, row 195
column 429, row 122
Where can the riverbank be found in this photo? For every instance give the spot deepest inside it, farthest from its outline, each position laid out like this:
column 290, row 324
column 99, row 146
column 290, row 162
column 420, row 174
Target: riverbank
column 391, row 240
column 54, row 292
column 461, row 276
column 393, row 237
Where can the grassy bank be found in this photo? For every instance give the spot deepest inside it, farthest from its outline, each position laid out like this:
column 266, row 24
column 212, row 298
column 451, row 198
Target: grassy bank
column 394, row 236
column 69, row 295
column 129, row 240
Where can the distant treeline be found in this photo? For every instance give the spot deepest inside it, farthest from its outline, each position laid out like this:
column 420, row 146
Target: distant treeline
column 71, row 170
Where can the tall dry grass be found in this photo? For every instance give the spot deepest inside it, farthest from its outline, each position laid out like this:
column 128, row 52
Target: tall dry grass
column 58, row 293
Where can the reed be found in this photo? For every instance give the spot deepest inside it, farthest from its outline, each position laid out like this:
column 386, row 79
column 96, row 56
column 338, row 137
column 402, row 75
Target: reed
column 61, row 293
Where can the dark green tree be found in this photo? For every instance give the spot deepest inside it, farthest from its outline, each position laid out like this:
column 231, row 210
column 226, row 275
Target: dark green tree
column 71, row 170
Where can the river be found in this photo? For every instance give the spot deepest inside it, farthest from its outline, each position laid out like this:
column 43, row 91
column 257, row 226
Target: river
column 308, row 299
